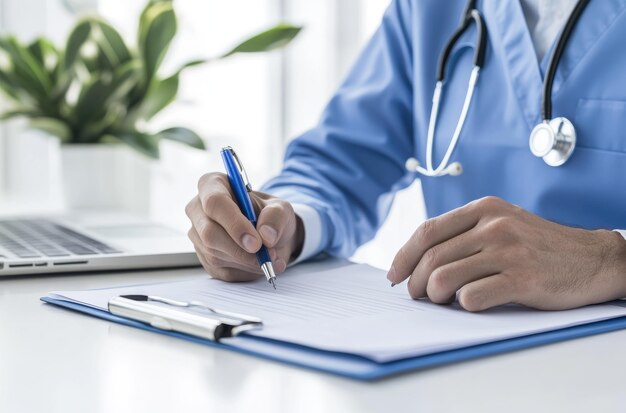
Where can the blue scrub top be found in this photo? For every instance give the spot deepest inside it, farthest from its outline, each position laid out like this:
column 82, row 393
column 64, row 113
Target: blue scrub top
column 351, row 164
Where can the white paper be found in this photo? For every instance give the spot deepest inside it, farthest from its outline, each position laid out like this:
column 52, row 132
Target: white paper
column 353, row 309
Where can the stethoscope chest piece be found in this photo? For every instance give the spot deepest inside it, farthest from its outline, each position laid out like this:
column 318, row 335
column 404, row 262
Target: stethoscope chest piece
column 554, row 141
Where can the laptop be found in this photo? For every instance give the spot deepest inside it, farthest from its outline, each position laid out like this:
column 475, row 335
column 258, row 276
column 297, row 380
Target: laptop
column 89, row 242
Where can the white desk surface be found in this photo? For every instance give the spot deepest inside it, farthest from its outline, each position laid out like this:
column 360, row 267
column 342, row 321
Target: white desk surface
column 55, row 360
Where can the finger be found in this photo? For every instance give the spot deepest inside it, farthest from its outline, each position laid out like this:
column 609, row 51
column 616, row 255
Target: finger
column 220, row 241
column 276, row 220
column 487, row 292
column 230, row 255
column 225, row 251
column 218, row 204
column 277, row 256
column 233, row 274
column 432, row 232
column 206, row 256
column 445, row 281
column 281, row 259
column 199, row 247
column 202, row 260
column 218, row 268
column 437, row 230
column 199, row 221
column 454, row 249
column 227, row 260
column 192, row 234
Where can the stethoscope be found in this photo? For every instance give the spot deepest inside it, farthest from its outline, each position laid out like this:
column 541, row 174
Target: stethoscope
column 553, row 140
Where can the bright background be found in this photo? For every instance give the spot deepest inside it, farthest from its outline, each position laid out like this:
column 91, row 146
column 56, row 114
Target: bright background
column 256, row 103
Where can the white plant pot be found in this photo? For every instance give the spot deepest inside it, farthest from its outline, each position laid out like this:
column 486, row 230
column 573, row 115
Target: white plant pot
column 106, row 177
column 118, row 177
column 41, row 171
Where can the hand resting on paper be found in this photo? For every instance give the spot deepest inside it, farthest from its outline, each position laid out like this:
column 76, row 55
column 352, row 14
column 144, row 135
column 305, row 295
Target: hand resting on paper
column 493, row 253
column 226, row 241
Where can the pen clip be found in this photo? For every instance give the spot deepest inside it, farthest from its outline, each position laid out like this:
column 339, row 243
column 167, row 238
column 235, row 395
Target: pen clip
column 242, row 170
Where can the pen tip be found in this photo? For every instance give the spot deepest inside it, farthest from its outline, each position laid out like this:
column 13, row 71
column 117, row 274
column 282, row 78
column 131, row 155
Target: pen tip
column 272, row 282
column 393, row 284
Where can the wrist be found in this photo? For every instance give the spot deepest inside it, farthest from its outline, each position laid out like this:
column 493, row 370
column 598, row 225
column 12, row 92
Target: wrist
column 613, row 264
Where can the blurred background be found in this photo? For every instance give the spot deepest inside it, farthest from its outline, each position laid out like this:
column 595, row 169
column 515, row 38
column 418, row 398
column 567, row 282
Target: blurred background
column 253, row 102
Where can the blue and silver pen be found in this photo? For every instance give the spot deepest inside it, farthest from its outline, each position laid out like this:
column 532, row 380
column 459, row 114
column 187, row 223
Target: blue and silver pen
column 240, row 185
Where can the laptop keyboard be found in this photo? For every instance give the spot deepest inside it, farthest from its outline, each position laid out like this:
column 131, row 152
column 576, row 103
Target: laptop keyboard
column 42, row 238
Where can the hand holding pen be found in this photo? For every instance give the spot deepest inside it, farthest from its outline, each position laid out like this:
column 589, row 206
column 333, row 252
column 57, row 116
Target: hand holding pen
column 227, row 242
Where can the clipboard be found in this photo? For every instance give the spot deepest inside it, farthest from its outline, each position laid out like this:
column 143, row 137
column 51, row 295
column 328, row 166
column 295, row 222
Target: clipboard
column 352, row 366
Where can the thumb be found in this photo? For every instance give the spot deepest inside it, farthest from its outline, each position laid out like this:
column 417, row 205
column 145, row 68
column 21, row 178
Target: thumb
column 276, row 220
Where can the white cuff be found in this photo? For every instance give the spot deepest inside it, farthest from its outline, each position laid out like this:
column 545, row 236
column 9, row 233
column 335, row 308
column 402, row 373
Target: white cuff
column 312, row 231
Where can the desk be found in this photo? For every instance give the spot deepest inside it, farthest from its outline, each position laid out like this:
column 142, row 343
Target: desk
column 55, row 360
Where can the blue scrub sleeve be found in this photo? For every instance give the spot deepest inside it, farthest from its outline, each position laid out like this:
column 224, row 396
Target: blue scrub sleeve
column 350, row 165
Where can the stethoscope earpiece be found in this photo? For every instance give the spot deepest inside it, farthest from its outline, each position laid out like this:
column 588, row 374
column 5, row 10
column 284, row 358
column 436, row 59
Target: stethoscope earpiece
column 411, row 164
column 454, row 169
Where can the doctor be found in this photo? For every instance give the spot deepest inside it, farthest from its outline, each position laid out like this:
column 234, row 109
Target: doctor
column 521, row 152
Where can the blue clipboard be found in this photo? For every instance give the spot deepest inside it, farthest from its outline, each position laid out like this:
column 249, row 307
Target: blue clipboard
column 356, row 367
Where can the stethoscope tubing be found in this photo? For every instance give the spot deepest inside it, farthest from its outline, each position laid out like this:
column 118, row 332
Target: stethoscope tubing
column 471, row 15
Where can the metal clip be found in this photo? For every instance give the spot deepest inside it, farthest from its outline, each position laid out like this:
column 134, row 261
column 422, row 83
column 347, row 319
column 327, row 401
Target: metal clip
column 242, row 170
column 241, row 318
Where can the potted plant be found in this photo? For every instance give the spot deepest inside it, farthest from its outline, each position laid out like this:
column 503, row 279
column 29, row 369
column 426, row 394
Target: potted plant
column 98, row 94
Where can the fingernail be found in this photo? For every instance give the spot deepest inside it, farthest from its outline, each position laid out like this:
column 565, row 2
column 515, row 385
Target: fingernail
column 269, row 234
column 249, row 243
column 391, row 275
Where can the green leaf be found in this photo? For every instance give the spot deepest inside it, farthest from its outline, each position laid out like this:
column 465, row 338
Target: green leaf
column 273, row 38
column 112, row 50
column 183, row 135
column 75, row 41
column 45, row 52
column 124, row 79
column 157, row 28
column 52, row 126
column 20, row 112
column 191, row 64
column 114, row 42
column 93, row 131
column 99, row 94
column 113, row 107
column 145, row 16
column 9, row 86
column 59, row 90
column 160, row 94
column 91, row 100
column 28, row 74
column 142, row 142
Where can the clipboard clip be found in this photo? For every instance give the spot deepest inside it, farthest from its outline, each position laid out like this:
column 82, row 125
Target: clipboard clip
column 174, row 315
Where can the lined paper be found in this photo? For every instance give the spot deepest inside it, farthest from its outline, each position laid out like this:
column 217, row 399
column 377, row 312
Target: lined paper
column 352, row 309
